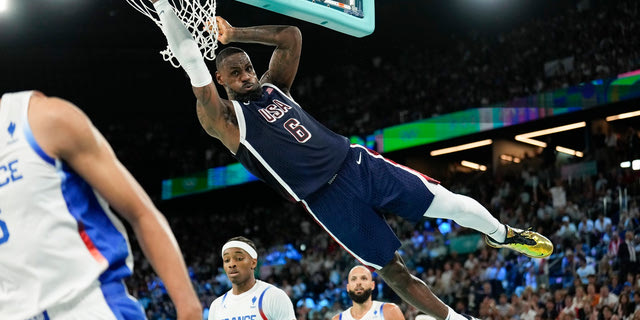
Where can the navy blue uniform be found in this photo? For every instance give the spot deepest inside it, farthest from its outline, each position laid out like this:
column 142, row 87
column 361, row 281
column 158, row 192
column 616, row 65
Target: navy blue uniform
column 343, row 186
column 285, row 147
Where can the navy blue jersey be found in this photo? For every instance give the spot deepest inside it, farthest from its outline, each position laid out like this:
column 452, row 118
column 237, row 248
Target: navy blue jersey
column 285, row 147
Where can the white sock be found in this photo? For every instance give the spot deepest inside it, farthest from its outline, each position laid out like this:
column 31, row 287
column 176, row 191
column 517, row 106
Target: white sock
column 465, row 211
column 499, row 235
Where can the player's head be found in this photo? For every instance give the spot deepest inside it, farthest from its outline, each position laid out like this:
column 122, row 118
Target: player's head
column 360, row 284
column 235, row 73
column 239, row 259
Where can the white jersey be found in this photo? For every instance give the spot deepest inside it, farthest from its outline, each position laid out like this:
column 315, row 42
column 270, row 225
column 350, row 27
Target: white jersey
column 58, row 237
column 374, row 313
column 262, row 302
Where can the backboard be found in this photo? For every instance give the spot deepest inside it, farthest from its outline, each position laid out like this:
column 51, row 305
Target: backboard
column 353, row 17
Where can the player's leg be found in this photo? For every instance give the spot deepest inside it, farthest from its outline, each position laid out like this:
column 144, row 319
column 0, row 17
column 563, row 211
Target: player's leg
column 469, row 213
column 412, row 195
column 415, row 291
column 342, row 209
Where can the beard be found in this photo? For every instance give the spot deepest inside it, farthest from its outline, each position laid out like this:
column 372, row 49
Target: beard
column 360, row 298
column 252, row 95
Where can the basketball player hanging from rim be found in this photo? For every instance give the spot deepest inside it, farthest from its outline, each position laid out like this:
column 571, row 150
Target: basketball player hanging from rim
column 343, row 186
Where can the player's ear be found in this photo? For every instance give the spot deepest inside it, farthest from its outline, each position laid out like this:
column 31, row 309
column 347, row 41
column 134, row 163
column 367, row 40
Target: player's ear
column 219, row 78
column 254, row 264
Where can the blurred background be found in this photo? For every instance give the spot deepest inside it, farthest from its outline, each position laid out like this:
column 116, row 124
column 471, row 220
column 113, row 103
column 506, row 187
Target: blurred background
column 433, row 74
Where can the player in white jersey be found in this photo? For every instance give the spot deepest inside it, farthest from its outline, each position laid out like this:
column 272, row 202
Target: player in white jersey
column 249, row 298
column 63, row 252
column 360, row 284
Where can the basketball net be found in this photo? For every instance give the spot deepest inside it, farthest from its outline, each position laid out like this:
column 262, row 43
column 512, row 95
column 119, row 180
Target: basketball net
column 197, row 15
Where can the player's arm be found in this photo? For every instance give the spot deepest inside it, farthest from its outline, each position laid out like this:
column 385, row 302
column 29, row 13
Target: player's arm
column 391, row 311
column 64, row 132
column 336, row 317
column 283, row 65
column 210, row 106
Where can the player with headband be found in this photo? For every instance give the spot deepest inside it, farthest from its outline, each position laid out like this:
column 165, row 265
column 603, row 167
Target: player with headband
column 343, row 186
column 249, row 298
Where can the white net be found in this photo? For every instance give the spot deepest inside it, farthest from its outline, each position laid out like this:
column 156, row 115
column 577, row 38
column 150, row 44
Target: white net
column 199, row 16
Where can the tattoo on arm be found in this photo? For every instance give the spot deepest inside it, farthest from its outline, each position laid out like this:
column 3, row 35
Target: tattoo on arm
column 205, row 98
column 228, row 115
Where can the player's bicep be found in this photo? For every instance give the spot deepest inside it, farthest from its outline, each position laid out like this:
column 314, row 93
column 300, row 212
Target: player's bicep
column 205, row 122
column 210, row 109
column 285, row 59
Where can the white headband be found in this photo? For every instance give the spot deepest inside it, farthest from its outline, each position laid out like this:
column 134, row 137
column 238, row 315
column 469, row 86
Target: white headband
column 242, row 245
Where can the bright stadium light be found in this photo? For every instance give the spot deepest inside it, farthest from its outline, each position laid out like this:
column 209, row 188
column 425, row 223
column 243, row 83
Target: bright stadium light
column 531, row 141
column 509, row 158
column 624, row 115
column 473, row 165
column 526, row 137
column 554, row 130
column 461, row 147
column 569, row 151
column 4, row 5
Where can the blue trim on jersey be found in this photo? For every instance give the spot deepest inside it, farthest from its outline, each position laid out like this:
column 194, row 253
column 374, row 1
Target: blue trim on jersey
column 381, row 312
column 340, row 318
column 45, row 315
column 28, row 134
column 85, row 208
column 120, row 303
column 260, row 303
column 225, row 296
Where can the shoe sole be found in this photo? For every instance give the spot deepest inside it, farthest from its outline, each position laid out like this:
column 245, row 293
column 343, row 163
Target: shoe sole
column 498, row 246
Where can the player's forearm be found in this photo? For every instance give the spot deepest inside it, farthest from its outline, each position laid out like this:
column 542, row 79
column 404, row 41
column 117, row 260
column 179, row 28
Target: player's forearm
column 280, row 36
column 161, row 249
column 181, row 43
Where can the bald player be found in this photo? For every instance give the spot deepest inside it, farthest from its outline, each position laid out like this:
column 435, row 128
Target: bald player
column 249, row 298
column 359, row 287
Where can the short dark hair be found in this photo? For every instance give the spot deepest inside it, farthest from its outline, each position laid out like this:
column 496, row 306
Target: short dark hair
column 226, row 52
column 245, row 240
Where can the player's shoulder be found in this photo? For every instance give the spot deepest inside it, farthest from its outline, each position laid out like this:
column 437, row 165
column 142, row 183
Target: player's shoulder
column 266, row 287
column 58, row 125
column 53, row 108
column 389, row 305
column 392, row 311
column 271, row 292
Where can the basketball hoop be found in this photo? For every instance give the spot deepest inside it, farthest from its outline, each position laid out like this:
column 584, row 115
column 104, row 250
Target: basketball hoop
column 197, row 16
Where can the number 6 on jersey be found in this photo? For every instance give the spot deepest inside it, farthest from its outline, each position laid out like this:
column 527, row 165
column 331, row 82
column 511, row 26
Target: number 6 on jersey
column 297, row 130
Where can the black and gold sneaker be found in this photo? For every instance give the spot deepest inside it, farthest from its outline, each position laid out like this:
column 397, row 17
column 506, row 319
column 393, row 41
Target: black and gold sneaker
column 527, row 242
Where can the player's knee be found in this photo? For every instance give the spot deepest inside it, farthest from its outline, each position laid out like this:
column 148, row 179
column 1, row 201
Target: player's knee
column 395, row 273
column 464, row 203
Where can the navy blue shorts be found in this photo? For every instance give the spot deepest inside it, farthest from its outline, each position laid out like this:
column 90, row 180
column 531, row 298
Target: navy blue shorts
column 350, row 206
